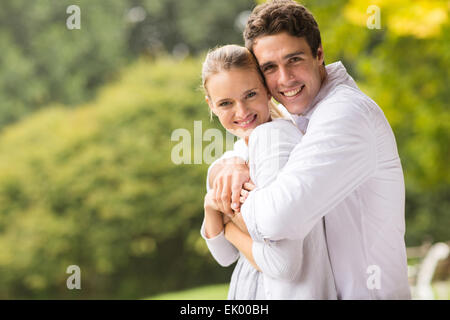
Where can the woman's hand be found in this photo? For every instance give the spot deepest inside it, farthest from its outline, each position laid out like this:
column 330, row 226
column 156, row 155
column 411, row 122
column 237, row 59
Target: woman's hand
column 210, row 204
column 226, row 219
column 240, row 223
column 213, row 217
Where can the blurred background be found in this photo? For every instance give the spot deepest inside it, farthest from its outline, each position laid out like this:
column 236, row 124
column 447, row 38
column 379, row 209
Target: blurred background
column 87, row 115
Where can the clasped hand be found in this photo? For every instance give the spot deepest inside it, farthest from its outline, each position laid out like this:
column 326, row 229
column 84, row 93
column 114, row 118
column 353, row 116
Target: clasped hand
column 230, row 190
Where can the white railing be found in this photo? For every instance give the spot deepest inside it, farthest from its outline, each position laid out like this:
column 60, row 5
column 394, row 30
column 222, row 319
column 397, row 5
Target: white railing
column 421, row 274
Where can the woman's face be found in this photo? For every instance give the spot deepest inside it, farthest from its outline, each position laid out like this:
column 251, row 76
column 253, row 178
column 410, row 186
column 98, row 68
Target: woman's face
column 240, row 100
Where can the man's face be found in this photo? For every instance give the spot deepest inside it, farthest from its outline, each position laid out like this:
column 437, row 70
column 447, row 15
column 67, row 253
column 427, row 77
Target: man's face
column 292, row 74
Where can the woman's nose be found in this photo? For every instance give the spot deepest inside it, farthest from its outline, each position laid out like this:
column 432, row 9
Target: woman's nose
column 241, row 110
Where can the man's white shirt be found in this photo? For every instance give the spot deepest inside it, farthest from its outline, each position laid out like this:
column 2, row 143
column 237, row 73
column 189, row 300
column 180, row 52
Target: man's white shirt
column 347, row 170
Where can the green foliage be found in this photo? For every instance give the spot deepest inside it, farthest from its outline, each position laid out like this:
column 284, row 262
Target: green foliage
column 42, row 62
column 96, row 187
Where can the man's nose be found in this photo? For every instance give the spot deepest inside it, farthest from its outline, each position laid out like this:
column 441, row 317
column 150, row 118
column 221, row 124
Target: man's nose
column 285, row 76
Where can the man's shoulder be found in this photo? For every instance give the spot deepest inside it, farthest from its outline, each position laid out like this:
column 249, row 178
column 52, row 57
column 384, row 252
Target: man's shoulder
column 346, row 100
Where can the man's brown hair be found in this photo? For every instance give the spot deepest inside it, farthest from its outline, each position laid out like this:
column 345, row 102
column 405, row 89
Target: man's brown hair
column 278, row 16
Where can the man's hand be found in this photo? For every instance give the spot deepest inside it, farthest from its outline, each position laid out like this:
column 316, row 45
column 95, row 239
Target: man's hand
column 227, row 184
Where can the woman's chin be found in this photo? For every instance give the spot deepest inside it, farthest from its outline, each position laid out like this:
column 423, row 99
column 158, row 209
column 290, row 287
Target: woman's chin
column 242, row 133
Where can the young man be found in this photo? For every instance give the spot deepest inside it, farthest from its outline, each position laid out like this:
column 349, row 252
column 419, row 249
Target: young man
column 346, row 169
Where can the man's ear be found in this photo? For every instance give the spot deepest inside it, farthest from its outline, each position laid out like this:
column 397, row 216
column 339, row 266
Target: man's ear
column 320, row 54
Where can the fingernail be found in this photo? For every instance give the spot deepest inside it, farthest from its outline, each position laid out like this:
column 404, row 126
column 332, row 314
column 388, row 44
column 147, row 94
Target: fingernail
column 234, row 205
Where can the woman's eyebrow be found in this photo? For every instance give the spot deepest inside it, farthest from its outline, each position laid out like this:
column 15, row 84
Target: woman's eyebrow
column 248, row 91
column 221, row 100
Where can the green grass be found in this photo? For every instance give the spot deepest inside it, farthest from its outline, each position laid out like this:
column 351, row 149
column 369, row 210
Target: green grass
column 219, row 292
column 441, row 290
column 211, row 292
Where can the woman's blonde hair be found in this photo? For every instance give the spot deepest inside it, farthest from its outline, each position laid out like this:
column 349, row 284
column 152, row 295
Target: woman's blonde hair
column 230, row 57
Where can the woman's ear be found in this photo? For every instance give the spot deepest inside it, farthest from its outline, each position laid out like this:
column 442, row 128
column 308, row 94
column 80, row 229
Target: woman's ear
column 209, row 102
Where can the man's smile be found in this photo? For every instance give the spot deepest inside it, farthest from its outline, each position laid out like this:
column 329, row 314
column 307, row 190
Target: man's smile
column 293, row 92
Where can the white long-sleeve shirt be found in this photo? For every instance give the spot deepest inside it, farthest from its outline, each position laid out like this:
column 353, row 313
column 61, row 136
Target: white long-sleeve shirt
column 347, row 170
column 291, row 269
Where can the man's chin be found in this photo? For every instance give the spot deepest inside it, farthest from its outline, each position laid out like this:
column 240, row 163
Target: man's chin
column 295, row 108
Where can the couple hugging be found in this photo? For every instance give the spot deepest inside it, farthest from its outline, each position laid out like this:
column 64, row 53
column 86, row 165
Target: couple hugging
column 310, row 201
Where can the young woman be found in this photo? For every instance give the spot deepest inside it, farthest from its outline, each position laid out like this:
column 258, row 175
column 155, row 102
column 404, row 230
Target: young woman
column 284, row 269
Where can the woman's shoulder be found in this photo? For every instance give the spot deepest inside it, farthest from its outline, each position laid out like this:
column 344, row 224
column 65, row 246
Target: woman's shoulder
column 273, row 134
column 282, row 126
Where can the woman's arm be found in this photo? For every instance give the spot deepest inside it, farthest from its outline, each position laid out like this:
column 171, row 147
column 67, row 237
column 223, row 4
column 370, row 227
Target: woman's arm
column 213, row 223
column 241, row 241
column 212, row 231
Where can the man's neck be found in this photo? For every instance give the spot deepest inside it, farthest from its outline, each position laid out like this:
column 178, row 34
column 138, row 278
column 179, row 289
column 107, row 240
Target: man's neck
column 323, row 75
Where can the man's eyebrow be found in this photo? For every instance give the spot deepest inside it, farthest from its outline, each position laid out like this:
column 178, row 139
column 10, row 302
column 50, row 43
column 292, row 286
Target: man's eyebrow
column 262, row 66
column 290, row 55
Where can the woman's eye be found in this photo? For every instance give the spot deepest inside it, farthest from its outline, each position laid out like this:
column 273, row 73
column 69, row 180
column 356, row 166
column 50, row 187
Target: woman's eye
column 224, row 104
column 251, row 94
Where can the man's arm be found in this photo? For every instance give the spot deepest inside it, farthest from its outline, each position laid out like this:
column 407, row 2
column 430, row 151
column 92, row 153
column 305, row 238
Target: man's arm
column 269, row 148
column 335, row 156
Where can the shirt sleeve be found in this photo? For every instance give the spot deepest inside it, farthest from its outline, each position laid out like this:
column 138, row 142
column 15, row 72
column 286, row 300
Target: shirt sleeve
column 336, row 155
column 269, row 149
column 221, row 249
column 239, row 150
column 280, row 259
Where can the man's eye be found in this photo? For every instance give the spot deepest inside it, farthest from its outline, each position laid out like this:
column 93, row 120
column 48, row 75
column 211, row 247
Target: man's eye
column 268, row 68
column 295, row 59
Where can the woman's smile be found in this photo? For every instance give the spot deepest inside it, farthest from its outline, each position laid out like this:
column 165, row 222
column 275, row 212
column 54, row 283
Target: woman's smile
column 247, row 122
column 240, row 100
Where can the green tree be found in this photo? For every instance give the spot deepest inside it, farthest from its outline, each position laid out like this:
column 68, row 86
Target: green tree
column 42, row 62
column 96, row 187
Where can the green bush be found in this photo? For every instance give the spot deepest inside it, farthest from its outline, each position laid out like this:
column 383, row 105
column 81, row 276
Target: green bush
column 96, row 187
